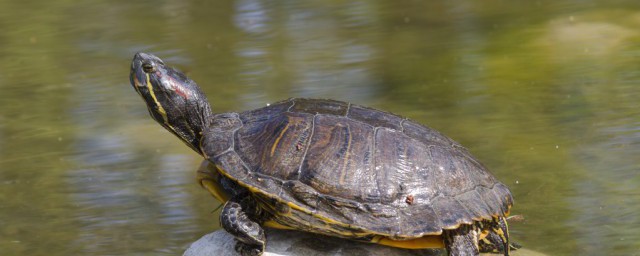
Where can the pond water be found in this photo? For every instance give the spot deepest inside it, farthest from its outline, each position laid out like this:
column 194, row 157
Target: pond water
column 545, row 93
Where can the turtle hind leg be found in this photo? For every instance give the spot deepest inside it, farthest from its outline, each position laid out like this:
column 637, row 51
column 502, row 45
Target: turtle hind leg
column 462, row 241
column 238, row 218
column 497, row 240
column 493, row 244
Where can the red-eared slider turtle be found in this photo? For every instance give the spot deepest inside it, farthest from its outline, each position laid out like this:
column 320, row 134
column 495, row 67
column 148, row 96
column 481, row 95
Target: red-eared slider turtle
column 332, row 168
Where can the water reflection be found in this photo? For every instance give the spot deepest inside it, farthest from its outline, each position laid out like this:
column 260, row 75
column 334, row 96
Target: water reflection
column 609, row 185
column 123, row 204
column 544, row 93
column 302, row 51
column 119, row 202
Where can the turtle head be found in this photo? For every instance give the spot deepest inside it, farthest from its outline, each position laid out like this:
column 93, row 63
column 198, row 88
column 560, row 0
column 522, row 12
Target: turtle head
column 173, row 100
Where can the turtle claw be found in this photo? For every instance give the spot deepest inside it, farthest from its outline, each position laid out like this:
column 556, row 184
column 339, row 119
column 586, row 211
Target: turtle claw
column 248, row 249
column 237, row 218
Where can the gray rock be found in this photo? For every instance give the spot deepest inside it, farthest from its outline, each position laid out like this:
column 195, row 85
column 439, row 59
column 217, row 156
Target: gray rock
column 291, row 243
column 287, row 242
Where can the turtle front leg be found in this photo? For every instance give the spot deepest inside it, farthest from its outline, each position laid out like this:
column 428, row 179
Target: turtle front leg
column 462, row 241
column 239, row 217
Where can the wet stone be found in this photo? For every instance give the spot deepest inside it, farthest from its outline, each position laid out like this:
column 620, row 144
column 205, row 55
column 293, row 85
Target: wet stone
column 293, row 243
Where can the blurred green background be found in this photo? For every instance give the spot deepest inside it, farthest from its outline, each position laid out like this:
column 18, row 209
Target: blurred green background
column 545, row 93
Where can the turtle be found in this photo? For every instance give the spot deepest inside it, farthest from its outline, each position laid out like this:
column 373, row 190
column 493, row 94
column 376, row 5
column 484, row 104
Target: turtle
column 332, row 168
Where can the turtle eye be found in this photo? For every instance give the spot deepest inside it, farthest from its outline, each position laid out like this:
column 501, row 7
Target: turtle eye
column 147, row 67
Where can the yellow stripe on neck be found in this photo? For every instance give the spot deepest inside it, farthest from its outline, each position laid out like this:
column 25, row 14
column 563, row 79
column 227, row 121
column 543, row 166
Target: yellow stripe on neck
column 161, row 110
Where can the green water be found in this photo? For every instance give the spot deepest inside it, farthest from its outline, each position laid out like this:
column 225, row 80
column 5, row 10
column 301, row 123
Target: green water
column 545, row 93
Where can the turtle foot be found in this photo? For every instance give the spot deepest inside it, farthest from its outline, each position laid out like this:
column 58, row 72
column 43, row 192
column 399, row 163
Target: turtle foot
column 248, row 249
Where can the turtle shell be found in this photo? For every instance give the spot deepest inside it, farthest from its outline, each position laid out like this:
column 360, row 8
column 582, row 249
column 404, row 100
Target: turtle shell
column 342, row 169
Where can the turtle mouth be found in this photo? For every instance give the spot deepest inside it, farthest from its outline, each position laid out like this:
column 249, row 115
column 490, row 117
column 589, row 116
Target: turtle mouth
column 137, row 80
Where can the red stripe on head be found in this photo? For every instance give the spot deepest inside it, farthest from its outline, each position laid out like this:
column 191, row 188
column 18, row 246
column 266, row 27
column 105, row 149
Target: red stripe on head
column 178, row 89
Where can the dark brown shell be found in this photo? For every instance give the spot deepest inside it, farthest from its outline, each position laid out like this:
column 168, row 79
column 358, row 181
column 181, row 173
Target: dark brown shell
column 354, row 166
